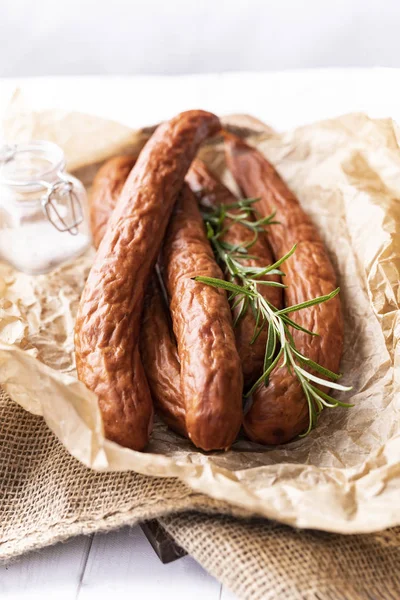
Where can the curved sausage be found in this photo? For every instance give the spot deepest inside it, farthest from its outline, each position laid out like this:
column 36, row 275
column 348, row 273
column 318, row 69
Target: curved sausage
column 211, row 193
column 108, row 321
column 211, row 375
column 280, row 410
column 157, row 342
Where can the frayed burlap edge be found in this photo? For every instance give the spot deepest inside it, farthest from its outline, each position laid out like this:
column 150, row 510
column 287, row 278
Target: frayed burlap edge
column 13, row 548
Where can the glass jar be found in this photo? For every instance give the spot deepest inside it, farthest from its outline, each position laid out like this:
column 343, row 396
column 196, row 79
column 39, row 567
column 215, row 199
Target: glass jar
column 43, row 210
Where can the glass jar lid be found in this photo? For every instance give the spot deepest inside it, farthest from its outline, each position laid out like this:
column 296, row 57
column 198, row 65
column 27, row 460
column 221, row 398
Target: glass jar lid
column 39, row 165
column 29, row 165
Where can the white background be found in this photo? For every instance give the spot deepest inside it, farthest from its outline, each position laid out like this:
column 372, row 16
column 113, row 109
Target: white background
column 64, row 37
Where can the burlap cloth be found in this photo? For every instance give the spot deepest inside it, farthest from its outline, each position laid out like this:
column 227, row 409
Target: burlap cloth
column 48, row 496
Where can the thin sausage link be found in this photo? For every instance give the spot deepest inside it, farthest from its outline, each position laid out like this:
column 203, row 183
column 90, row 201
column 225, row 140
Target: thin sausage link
column 211, row 375
column 157, row 342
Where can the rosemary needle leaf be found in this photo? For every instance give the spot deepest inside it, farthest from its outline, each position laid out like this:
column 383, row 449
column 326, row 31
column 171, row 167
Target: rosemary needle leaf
column 221, row 283
column 261, row 272
column 269, row 349
column 311, row 413
column 330, row 384
column 249, row 224
column 243, row 309
column 265, row 375
column 256, row 271
column 290, row 338
column 270, row 283
column 238, row 301
column 281, row 260
column 321, row 402
column 267, row 271
column 251, row 243
column 243, row 203
column 257, row 326
column 243, row 254
column 257, row 332
column 334, row 401
column 313, row 365
column 308, row 303
column 295, row 325
column 271, row 343
column 254, row 308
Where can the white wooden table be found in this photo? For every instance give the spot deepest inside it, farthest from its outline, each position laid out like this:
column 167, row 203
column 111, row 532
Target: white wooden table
column 122, row 564
column 106, row 566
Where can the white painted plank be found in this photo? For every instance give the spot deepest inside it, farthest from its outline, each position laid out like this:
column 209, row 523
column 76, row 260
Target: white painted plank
column 123, row 565
column 53, row 572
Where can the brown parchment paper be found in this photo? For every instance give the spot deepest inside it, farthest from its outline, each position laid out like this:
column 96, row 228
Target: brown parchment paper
column 344, row 477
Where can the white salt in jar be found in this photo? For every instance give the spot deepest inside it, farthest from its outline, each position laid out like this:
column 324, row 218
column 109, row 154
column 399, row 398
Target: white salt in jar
column 43, row 210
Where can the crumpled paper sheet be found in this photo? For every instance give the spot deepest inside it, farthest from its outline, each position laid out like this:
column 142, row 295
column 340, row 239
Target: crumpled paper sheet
column 345, row 476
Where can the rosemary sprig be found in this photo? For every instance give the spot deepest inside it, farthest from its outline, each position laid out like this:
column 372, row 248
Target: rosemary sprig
column 242, row 284
column 245, row 214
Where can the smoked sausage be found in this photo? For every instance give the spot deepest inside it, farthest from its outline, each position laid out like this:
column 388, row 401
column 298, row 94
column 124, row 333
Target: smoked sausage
column 280, row 411
column 157, row 342
column 108, row 321
column 211, row 374
column 211, row 193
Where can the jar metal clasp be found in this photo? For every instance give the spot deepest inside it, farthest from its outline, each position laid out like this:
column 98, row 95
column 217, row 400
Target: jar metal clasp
column 62, row 187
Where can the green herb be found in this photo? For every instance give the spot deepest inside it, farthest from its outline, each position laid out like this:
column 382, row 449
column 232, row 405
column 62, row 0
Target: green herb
column 242, row 284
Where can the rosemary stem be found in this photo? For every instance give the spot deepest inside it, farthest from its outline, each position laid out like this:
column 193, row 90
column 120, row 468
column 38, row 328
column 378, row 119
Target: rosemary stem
column 245, row 294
